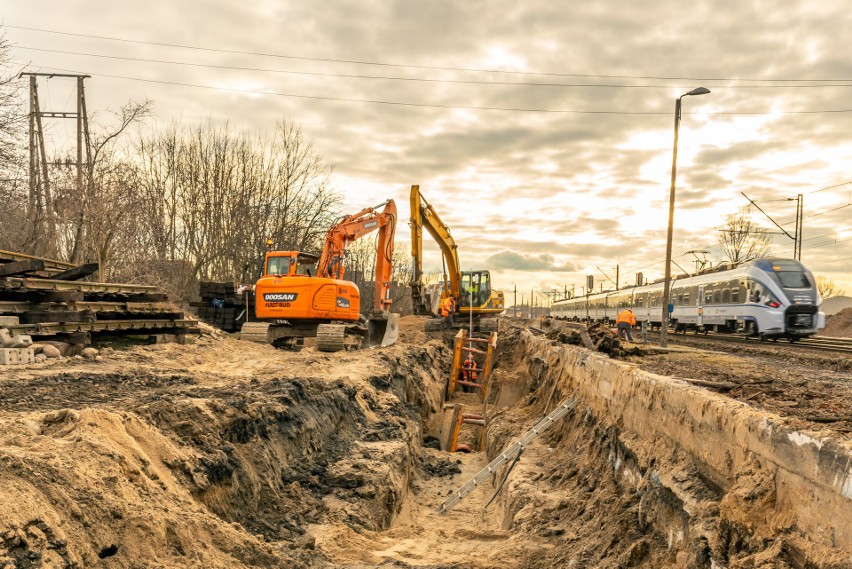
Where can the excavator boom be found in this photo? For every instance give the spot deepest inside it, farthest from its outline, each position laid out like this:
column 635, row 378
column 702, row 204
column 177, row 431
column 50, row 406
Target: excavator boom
column 353, row 227
column 471, row 289
column 424, row 215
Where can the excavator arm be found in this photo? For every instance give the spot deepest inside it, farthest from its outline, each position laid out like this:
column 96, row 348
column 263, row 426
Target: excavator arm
column 353, row 227
column 424, row 215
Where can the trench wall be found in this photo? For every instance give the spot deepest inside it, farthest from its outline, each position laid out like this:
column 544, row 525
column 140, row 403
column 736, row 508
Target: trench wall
column 658, row 417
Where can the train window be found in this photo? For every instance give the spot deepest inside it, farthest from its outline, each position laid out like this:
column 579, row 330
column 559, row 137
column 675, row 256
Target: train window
column 686, row 298
column 791, row 275
column 735, row 295
column 708, row 297
column 726, row 296
column 717, row 297
column 756, row 292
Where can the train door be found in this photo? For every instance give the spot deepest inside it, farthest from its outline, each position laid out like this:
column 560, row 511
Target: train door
column 699, row 301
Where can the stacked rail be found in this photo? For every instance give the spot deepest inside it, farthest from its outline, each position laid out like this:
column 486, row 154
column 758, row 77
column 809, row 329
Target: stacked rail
column 44, row 298
column 221, row 305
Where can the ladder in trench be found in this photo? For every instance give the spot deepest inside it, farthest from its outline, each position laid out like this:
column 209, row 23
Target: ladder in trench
column 508, row 454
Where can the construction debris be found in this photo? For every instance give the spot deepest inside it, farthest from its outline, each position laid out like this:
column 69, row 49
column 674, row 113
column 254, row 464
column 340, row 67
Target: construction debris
column 221, row 305
column 599, row 337
column 44, row 298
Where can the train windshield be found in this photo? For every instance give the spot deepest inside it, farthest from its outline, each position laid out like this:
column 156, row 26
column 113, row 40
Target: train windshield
column 790, row 274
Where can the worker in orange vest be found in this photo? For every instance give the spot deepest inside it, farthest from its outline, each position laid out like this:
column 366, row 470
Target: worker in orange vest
column 625, row 323
column 448, row 307
column 469, row 372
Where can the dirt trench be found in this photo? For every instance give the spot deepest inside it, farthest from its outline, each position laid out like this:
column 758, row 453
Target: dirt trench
column 227, row 454
column 173, row 465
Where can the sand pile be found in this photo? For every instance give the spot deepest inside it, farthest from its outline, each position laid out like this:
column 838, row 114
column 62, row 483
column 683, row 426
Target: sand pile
column 839, row 325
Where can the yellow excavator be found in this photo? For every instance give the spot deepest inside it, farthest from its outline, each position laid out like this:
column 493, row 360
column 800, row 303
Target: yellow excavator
column 475, row 299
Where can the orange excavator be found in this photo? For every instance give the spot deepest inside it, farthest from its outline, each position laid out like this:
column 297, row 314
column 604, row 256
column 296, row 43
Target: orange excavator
column 299, row 295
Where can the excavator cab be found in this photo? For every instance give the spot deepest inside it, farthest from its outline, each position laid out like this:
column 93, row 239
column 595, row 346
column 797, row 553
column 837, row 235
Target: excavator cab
column 288, row 263
column 475, row 288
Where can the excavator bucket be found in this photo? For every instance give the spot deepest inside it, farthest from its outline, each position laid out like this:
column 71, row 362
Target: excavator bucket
column 383, row 329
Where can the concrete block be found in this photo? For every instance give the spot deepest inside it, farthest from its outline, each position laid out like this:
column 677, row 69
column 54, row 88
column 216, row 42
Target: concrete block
column 9, row 321
column 16, row 356
column 167, row 339
column 19, row 341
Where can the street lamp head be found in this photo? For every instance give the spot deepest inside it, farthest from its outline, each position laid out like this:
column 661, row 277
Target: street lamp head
column 698, row 91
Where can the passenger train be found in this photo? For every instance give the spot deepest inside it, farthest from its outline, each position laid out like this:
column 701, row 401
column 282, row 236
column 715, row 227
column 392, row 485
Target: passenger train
column 766, row 298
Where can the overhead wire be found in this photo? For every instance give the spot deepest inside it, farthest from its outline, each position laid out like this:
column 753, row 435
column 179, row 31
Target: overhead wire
column 433, row 105
column 412, row 66
column 846, row 183
column 410, row 79
column 443, row 68
column 831, row 242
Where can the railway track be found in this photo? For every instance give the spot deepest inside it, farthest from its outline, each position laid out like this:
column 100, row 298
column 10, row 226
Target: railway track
column 818, row 343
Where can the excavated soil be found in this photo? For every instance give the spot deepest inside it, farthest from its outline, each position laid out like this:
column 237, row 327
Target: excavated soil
column 229, row 454
column 839, row 325
column 810, row 388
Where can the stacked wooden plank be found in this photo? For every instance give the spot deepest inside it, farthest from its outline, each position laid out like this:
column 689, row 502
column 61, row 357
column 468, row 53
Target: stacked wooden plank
column 43, row 298
column 221, row 305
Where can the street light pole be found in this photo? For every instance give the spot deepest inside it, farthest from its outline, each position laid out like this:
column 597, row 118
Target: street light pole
column 668, row 272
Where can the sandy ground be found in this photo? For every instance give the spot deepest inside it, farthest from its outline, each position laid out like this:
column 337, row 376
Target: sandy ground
column 839, row 325
column 230, row 454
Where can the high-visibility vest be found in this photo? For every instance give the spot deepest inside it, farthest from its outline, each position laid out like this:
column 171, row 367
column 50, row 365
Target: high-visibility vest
column 467, row 369
column 626, row 316
column 447, row 306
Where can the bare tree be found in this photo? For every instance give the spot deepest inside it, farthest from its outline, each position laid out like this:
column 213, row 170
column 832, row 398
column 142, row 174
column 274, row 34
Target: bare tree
column 101, row 207
column 742, row 239
column 13, row 182
column 361, row 269
column 827, row 287
column 213, row 196
column 12, row 115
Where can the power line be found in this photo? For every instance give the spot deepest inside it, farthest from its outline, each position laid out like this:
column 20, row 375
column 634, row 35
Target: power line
column 820, row 213
column 832, row 242
column 410, row 66
column 831, row 187
column 828, row 211
column 824, row 234
column 410, row 79
column 438, row 106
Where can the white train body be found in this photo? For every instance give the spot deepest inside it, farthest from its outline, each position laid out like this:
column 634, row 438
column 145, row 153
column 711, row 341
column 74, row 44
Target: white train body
column 770, row 298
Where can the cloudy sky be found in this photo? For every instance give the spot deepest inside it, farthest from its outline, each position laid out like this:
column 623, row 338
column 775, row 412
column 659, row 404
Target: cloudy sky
column 540, row 130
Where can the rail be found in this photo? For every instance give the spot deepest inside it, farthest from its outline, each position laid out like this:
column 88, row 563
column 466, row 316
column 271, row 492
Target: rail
column 53, row 328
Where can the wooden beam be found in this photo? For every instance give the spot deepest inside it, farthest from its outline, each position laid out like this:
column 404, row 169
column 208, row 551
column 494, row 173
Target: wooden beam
column 21, row 267
column 49, row 263
column 76, row 273
column 39, row 316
